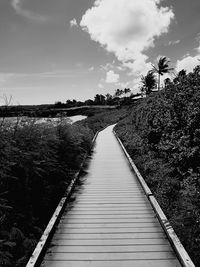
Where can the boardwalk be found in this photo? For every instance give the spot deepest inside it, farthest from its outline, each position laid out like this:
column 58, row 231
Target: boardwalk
column 111, row 223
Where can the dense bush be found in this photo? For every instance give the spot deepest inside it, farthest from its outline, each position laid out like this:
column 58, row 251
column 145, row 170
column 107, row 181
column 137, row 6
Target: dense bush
column 37, row 162
column 162, row 134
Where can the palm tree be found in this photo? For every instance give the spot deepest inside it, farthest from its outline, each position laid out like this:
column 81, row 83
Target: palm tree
column 162, row 68
column 127, row 90
column 148, row 82
column 118, row 92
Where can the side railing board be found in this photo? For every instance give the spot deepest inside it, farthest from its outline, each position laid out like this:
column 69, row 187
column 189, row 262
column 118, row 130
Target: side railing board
column 180, row 251
column 42, row 245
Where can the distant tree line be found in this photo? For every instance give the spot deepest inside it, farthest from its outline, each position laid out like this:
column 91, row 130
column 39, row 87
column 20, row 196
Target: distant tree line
column 120, row 96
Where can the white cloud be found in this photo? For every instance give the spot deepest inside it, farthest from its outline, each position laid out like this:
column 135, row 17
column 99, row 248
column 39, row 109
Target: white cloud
column 91, row 69
column 107, row 66
column 17, row 5
column 100, row 86
column 139, row 66
column 127, row 28
column 112, row 77
column 174, row 42
column 114, row 66
column 189, row 62
column 125, row 84
column 73, row 23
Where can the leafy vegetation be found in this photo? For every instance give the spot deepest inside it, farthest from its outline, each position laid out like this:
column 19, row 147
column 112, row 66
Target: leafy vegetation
column 148, row 83
column 162, row 135
column 37, row 162
column 161, row 68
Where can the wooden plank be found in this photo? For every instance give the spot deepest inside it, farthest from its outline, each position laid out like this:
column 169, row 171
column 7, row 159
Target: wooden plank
column 110, row 197
column 112, row 206
column 112, row 202
column 124, row 263
column 108, row 209
column 110, row 256
column 113, row 187
column 109, row 212
column 111, row 194
column 130, row 208
column 108, row 216
column 108, row 236
column 64, row 230
column 106, row 225
column 125, row 190
column 110, row 249
column 110, row 242
column 108, row 220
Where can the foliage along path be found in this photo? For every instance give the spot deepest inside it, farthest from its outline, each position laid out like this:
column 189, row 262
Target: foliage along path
column 111, row 222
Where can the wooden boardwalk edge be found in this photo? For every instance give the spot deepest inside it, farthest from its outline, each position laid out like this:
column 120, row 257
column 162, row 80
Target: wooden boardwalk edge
column 43, row 243
column 180, row 251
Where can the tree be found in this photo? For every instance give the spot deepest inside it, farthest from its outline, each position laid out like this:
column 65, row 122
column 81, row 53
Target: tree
column 148, row 83
column 99, row 99
column 167, row 82
column 180, row 76
column 108, row 99
column 127, row 90
column 118, row 92
column 162, row 68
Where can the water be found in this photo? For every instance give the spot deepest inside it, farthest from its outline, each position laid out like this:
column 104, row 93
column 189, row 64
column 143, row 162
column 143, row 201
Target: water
column 70, row 120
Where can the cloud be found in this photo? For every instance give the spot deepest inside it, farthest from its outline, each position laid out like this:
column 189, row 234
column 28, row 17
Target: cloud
column 189, row 62
column 18, row 7
column 127, row 28
column 73, row 23
column 100, row 86
column 112, row 77
column 174, row 42
column 107, row 66
column 91, row 69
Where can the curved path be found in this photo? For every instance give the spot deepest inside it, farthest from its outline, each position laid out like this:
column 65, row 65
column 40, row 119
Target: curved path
column 111, row 222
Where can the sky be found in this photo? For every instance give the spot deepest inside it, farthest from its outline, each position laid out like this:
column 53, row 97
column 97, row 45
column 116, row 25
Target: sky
column 74, row 49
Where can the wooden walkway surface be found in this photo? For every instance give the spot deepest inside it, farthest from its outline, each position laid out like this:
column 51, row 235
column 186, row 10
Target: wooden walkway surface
column 111, row 223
